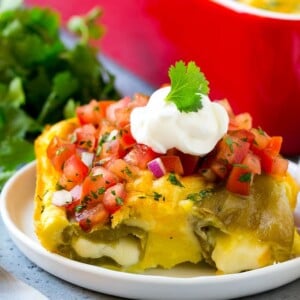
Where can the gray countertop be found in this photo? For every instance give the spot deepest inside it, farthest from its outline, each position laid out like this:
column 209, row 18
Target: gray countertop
column 15, row 262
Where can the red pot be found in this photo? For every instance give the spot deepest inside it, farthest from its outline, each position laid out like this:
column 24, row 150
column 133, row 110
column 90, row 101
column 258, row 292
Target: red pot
column 250, row 56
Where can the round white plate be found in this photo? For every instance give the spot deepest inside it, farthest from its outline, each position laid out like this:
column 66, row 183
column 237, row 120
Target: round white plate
column 184, row 282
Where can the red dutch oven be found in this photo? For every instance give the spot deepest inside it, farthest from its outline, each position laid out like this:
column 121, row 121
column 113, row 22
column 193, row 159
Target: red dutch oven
column 250, row 56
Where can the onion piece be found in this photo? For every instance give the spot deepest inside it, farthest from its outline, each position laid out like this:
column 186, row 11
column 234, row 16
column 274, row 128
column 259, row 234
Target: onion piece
column 76, row 192
column 157, row 168
column 87, row 158
column 61, row 198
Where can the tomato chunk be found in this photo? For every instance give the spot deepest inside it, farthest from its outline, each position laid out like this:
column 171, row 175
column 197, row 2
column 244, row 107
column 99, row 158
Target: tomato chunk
column 96, row 183
column 75, row 170
column 59, row 151
column 140, row 155
column 239, row 180
column 90, row 113
column 172, row 163
column 114, row 198
column 92, row 216
column 85, row 137
column 123, row 169
column 232, row 150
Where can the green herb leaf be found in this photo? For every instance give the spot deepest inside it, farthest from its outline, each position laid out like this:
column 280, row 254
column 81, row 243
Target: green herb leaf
column 42, row 80
column 198, row 197
column 174, row 180
column 188, row 84
column 246, row 177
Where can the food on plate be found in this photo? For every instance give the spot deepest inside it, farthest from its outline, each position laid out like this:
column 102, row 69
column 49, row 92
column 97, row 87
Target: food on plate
column 157, row 181
column 286, row 6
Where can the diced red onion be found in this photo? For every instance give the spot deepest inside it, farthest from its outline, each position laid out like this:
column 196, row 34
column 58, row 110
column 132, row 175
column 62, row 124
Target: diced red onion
column 156, row 166
column 87, row 158
column 76, row 192
column 61, row 198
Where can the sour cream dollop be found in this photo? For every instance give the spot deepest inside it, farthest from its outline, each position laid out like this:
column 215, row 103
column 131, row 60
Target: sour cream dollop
column 161, row 126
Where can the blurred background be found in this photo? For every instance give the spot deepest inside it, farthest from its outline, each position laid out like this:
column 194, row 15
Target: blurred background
column 250, row 56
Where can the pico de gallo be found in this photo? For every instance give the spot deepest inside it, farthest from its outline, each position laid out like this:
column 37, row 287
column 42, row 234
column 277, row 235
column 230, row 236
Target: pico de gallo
column 97, row 160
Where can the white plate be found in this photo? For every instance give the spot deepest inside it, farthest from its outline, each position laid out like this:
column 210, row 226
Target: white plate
column 184, row 282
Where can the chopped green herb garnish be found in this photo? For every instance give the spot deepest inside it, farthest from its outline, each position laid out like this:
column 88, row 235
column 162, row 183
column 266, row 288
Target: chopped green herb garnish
column 127, row 171
column 101, row 191
column 188, row 84
column 261, row 131
column 198, row 197
column 119, row 201
column 246, row 177
column 94, row 194
column 158, row 196
column 229, row 142
column 174, row 180
column 102, row 140
column 79, row 208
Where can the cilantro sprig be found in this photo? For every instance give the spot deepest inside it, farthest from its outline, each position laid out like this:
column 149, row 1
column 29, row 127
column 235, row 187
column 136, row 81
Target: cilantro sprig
column 42, row 80
column 188, row 84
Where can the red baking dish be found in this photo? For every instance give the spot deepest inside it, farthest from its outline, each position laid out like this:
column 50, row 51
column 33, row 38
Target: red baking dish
column 250, row 56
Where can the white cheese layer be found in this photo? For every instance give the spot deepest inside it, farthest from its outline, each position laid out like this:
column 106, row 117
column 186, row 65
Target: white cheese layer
column 125, row 251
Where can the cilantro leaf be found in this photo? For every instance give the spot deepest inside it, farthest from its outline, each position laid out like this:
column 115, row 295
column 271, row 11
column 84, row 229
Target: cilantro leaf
column 41, row 78
column 188, row 84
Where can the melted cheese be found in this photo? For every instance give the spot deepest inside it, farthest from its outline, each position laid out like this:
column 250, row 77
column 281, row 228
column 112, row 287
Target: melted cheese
column 240, row 252
column 125, row 251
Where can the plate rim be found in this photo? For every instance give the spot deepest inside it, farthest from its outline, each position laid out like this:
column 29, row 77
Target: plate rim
column 22, row 240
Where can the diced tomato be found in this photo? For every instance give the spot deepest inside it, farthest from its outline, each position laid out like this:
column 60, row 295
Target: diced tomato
column 189, row 163
column 114, row 198
column 96, row 183
column 243, row 135
column 122, row 116
column 112, row 149
column 123, row 169
column 274, row 144
column 242, row 121
column 239, row 180
column 140, row 155
column 65, row 183
column 232, row 150
column 59, row 151
column 172, row 163
column 279, row 166
column 105, row 127
column 92, row 216
column 252, row 161
column 90, row 113
column 104, row 104
column 75, row 170
column 273, row 164
column 261, row 139
column 111, row 109
column 126, row 138
column 85, row 137
column 70, row 208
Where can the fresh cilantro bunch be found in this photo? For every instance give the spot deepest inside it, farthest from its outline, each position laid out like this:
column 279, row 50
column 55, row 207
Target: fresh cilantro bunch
column 188, row 84
column 41, row 80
